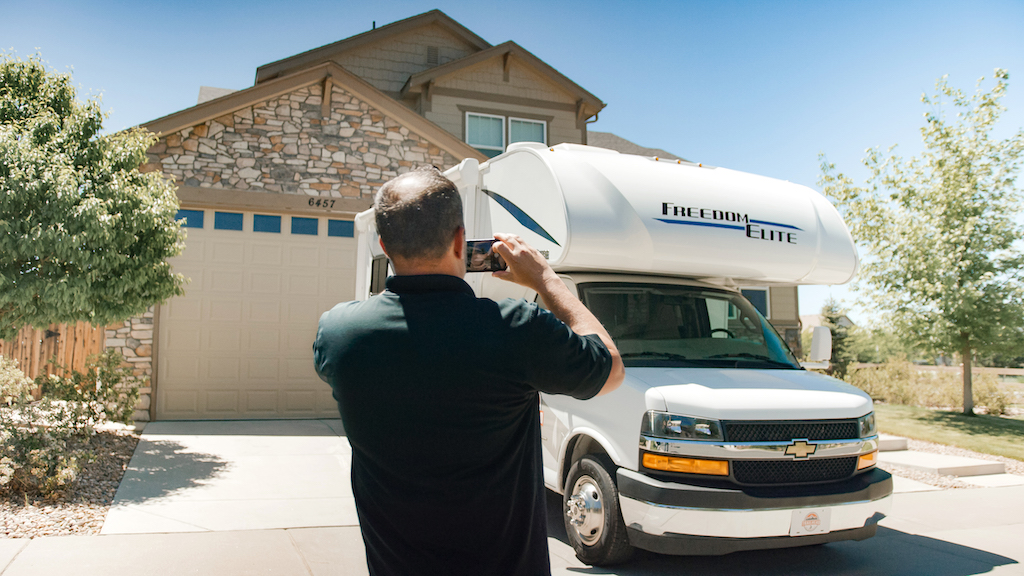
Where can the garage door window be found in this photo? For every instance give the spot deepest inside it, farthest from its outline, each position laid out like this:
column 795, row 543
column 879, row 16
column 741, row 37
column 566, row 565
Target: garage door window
column 341, row 228
column 307, row 226
column 190, row 218
column 227, row 221
column 264, row 223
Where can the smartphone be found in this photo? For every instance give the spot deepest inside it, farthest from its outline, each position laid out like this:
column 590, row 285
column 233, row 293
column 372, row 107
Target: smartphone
column 480, row 257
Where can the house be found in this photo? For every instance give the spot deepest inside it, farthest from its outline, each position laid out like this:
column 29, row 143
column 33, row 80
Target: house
column 270, row 178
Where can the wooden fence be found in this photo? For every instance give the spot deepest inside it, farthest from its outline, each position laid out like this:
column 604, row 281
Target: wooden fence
column 68, row 344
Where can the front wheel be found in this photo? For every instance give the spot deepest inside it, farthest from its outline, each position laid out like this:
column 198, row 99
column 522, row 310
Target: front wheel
column 593, row 521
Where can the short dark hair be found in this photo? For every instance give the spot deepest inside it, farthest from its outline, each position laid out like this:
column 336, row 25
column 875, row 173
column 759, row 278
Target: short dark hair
column 420, row 224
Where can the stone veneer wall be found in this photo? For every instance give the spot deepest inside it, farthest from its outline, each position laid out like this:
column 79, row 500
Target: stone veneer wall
column 285, row 146
column 133, row 338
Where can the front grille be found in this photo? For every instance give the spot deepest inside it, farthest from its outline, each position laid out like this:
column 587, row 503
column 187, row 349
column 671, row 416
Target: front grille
column 767, row 472
column 785, row 431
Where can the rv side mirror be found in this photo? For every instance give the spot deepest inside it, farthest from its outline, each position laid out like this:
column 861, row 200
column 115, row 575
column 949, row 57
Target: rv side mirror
column 821, row 349
column 821, row 344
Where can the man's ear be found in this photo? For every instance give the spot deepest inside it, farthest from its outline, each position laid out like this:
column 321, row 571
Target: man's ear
column 459, row 243
column 382, row 247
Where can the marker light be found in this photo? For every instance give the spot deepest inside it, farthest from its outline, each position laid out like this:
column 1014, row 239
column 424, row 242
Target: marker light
column 867, row 460
column 687, row 465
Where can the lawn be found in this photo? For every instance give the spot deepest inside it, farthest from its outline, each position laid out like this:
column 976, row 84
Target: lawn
column 987, row 434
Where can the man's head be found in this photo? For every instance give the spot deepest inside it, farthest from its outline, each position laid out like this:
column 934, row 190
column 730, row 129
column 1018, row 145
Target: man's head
column 418, row 215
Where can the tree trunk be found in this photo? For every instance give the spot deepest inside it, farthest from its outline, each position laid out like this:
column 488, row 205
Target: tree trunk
column 968, row 389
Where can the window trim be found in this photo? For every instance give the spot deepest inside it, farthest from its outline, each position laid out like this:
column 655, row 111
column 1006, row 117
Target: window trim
column 767, row 299
column 504, row 131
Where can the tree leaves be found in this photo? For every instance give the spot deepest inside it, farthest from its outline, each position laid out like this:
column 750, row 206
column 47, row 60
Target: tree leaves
column 942, row 229
column 83, row 234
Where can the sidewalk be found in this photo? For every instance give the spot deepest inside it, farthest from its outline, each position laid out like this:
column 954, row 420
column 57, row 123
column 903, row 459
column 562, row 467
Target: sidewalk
column 272, row 497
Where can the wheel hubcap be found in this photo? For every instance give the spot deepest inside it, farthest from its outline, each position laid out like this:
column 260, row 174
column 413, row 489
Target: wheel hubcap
column 585, row 510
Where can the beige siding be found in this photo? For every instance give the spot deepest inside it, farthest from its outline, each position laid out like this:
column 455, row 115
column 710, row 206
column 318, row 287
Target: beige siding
column 445, row 113
column 388, row 63
column 523, row 82
column 784, row 305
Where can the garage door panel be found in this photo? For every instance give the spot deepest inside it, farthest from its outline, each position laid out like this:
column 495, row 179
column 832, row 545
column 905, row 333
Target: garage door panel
column 238, row 343
column 222, row 369
column 222, row 400
column 225, row 311
column 182, row 401
column 264, row 311
column 264, row 340
column 304, row 257
column 263, row 282
column 257, row 401
column 300, row 401
column 263, row 369
column 303, row 284
column 305, row 313
column 266, row 254
column 227, row 252
column 179, row 367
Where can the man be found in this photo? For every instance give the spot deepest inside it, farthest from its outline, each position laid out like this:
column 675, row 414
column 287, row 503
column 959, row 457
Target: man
column 437, row 390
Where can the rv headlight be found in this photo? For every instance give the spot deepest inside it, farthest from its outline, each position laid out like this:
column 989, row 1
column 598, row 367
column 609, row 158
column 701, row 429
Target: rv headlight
column 866, row 425
column 674, row 426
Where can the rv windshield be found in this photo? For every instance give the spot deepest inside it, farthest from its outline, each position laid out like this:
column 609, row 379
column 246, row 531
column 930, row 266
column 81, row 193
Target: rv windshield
column 669, row 325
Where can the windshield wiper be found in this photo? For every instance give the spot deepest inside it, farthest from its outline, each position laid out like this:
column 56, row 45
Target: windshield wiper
column 665, row 355
column 752, row 356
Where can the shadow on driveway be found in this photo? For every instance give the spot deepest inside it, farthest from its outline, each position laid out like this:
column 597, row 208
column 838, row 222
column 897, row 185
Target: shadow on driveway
column 889, row 552
column 162, row 468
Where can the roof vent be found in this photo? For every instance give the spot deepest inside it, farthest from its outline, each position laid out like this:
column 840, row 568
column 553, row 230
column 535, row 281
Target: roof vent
column 432, row 56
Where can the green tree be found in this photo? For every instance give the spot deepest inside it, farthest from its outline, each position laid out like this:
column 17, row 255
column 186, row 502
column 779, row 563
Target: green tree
column 842, row 354
column 941, row 229
column 83, row 234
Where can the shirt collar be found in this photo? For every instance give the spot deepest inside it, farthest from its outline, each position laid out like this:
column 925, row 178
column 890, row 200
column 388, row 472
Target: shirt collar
column 427, row 283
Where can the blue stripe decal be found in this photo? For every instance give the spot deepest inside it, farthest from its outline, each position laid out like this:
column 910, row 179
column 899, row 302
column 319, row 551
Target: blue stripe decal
column 709, row 224
column 520, row 216
column 776, row 224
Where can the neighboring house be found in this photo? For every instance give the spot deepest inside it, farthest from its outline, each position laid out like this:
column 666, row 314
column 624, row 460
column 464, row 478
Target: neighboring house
column 270, row 178
column 811, row 321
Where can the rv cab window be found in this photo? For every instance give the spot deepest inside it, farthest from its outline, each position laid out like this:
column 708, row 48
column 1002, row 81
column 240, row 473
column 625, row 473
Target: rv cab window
column 674, row 325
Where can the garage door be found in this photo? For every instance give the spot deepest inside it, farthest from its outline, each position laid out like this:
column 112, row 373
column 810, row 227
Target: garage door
column 238, row 343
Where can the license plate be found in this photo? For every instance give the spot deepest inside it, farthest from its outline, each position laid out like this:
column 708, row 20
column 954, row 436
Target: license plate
column 810, row 521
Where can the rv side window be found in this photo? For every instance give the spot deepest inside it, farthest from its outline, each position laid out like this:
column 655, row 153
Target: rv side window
column 664, row 324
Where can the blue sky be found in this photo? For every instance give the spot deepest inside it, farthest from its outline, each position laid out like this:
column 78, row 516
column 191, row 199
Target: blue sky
column 756, row 86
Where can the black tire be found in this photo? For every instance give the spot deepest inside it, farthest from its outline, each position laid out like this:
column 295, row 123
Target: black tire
column 593, row 521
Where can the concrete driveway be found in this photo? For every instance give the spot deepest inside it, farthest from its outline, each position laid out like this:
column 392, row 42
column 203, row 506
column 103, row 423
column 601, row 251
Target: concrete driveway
column 273, row 497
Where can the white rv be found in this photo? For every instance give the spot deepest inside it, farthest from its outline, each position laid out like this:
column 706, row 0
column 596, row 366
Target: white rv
column 718, row 440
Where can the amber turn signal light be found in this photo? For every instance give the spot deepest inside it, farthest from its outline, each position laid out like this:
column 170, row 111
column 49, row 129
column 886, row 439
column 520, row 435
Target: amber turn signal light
column 687, row 465
column 867, row 460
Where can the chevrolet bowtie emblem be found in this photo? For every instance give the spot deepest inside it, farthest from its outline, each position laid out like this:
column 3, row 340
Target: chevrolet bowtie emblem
column 801, row 449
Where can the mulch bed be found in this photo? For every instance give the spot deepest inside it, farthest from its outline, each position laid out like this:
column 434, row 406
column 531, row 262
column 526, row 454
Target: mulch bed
column 82, row 510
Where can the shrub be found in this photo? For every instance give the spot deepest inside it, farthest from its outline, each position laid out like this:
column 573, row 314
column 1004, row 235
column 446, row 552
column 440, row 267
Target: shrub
column 900, row 382
column 42, row 443
column 13, row 383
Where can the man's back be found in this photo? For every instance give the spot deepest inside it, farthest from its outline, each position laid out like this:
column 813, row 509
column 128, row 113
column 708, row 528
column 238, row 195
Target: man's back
column 438, row 393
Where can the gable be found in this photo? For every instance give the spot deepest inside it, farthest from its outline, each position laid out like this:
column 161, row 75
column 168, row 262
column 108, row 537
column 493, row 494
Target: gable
column 287, row 145
column 517, row 80
column 388, row 62
column 384, row 34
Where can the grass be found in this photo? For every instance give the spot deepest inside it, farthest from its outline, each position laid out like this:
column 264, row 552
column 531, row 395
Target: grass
column 986, row 434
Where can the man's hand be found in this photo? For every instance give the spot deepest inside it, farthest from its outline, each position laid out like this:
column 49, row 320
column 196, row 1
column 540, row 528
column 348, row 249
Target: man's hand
column 527, row 267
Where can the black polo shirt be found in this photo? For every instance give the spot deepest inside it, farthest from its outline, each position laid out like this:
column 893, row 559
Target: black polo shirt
column 437, row 390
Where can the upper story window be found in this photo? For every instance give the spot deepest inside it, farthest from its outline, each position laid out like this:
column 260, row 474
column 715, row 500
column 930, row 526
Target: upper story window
column 490, row 133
